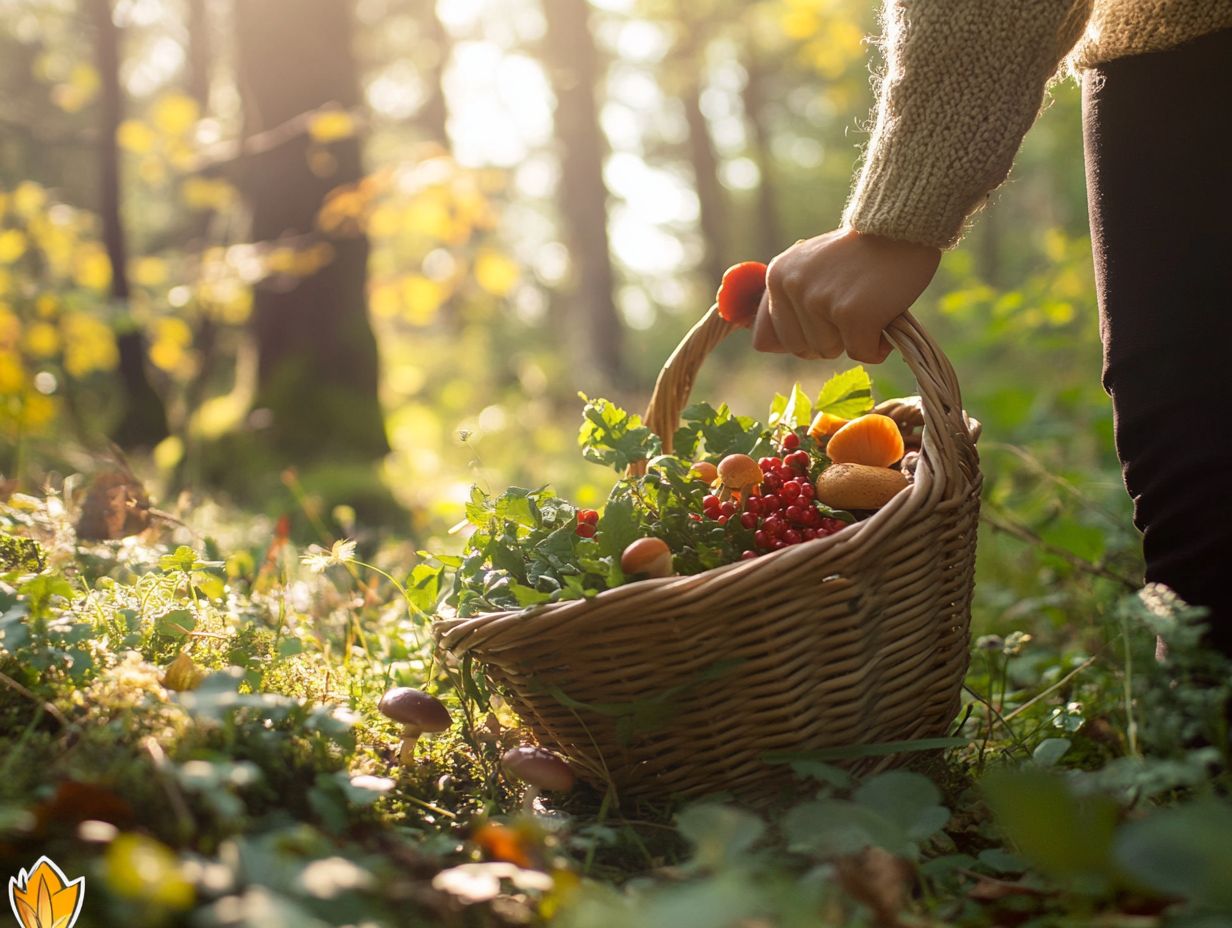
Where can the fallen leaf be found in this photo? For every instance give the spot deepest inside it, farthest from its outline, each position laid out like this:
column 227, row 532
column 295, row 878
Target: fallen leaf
column 880, row 880
column 116, row 506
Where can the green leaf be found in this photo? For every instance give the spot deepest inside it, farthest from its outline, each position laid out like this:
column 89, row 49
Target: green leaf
column 721, row 835
column 612, row 436
column 183, row 559
column 1183, row 851
column 799, row 409
column 528, row 596
column 1049, row 751
column 836, row 828
column 1066, row 836
column 175, row 622
column 847, row 394
column 423, row 587
column 909, row 800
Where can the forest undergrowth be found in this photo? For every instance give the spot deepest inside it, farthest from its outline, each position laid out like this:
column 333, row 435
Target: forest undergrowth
column 188, row 718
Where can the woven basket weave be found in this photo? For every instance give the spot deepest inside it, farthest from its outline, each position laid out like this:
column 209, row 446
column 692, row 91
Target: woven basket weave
column 681, row 685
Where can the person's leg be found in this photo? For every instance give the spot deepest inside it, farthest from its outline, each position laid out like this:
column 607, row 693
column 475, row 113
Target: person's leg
column 1158, row 135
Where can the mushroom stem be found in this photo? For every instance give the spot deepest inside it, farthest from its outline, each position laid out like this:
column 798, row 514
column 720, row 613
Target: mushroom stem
column 528, row 800
column 406, row 750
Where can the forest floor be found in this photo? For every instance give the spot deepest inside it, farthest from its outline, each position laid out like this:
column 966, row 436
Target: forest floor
column 188, row 719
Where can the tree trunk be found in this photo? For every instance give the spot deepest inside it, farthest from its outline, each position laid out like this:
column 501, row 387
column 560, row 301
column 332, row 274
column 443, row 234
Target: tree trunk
column 144, row 421
column 433, row 116
column 197, row 70
column 769, row 226
column 575, row 72
column 318, row 357
column 712, row 206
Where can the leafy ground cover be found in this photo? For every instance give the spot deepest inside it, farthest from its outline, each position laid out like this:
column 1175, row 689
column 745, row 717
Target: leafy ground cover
column 188, row 718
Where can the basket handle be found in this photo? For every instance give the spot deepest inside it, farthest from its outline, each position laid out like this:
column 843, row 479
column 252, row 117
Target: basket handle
column 947, row 433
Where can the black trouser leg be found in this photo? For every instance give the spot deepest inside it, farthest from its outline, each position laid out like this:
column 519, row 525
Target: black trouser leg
column 1158, row 134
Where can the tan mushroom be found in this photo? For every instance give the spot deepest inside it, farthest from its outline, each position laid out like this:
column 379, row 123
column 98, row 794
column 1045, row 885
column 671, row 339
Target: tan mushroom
column 417, row 712
column 738, row 473
column 650, row 557
column 539, row 769
column 858, row 486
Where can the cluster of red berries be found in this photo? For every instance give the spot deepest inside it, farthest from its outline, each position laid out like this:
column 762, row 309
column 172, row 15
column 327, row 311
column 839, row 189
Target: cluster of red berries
column 587, row 520
column 783, row 513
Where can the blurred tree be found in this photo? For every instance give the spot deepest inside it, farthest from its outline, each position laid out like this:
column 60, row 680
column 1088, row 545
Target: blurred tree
column 769, row 226
column 573, row 64
column 318, row 357
column 688, row 59
column 143, row 421
column 433, row 116
column 199, row 54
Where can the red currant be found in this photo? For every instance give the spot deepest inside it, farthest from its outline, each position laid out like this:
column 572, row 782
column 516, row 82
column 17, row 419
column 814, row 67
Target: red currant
column 753, row 505
column 769, row 463
column 774, row 526
column 748, row 520
column 790, row 490
column 799, row 460
column 778, row 543
column 588, row 515
column 728, row 508
column 747, row 555
column 806, row 491
column 792, row 537
column 791, row 441
column 809, row 534
column 833, row 525
column 710, row 501
column 762, row 539
column 795, row 514
column 771, row 483
column 585, row 529
column 771, row 503
column 722, row 520
column 695, row 517
column 812, row 517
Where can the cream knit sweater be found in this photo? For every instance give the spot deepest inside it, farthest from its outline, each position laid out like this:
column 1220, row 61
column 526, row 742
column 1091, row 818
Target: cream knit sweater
column 964, row 80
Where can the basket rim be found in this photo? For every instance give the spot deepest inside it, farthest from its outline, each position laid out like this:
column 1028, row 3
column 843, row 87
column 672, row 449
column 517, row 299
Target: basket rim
column 450, row 632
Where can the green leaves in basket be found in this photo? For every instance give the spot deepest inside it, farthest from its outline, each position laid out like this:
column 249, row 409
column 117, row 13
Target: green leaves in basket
column 612, row 436
column 847, row 394
column 719, row 432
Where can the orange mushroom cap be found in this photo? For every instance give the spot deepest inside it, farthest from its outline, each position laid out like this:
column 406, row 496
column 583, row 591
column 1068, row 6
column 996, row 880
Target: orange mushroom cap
column 649, row 556
column 737, row 471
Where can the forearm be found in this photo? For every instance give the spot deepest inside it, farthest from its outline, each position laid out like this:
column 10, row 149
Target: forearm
column 964, row 80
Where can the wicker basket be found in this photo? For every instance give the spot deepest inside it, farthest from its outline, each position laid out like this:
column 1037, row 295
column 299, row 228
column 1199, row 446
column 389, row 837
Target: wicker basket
column 682, row 685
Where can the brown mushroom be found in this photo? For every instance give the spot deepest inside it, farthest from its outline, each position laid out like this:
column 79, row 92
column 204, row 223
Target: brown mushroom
column 539, row 769
column 858, row 486
column 738, row 473
column 648, row 556
column 417, row 712
column 704, row 471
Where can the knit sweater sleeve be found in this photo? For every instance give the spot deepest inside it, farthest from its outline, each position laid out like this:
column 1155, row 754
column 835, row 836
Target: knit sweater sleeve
column 963, row 81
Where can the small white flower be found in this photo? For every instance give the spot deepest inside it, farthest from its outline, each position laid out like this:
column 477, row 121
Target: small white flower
column 318, row 559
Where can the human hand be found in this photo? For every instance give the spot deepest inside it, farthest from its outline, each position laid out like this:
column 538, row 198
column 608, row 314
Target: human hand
column 836, row 292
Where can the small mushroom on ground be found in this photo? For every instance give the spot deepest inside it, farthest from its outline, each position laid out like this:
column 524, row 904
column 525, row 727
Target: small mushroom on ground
column 539, row 769
column 738, row 473
column 417, row 712
column 650, row 557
